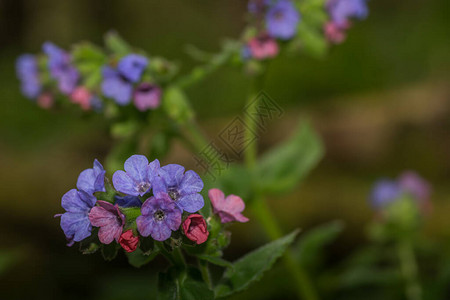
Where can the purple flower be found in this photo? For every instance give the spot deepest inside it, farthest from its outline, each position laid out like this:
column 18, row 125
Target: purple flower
column 147, row 96
column 138, row 176
column 116, row 86
column 61, row 69
column 257, row 6
column 342, row 10
column 128, row 201
column 75, row 221
column 160, row 216
column 410, row 182
column 92, row 180
column 110, row 220
column 282, row 20
column 27, row 72
column 182, row 188
column 384, row 192
column 96, row 103
column 132, row 66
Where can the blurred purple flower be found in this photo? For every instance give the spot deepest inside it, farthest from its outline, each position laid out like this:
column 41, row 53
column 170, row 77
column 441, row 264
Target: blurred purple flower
column 182, row 188
column 138, row 177
column 92, row 180
column 110, row 220
column 27, row 72
column 229, row 209
column 160, row 216
column 342, row 10
column 132, row 66
column 410, row 182
column 61, row 69
column 282, row 20
column 116, row 86
column 128, row 201
column 75, row 221
column 384, row 192
column 147, row 96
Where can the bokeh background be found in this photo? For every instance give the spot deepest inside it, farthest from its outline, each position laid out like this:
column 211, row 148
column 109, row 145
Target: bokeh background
column 381, row 102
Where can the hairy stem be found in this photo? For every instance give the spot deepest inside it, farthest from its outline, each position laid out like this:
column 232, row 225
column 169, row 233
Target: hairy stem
column 409, row 270
column 304, row 287
column 206, row 275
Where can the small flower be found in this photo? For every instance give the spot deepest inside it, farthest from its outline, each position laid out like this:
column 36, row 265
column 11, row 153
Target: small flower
column 61, row 69
column 160, row 216
column 334, row 33
column 75, row 221
column 257, row 6
column 45, row 100
column 263, row 47
column 195, row 228
column 129, row 241
column 411, row 183
column 92, row 180
column 132, row 66
column 282, row 20
column 342, row 10
column 128, row 201
column 138, row 176
column 27, row 72
column 384, row 192
column 81, row 96
column 147, row 96
column 229, row 209
column 96, row 103
column 110, row 220
column 116, row 86
column 182, row 188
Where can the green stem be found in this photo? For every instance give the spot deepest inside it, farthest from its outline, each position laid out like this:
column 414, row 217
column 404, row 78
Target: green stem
column 200, row 72
column 206, row 275
column 176, row 257
column 303, row 284
column 409, row 270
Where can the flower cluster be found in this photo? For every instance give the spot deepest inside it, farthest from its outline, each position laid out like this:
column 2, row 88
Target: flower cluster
column 146, row 200
column 409, row 184
column 341, row 11
column 279, row 21
column 91, row 78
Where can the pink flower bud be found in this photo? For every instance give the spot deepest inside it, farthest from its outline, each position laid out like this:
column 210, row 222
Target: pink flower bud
column 195, row 228
column 45, row 100
column 81, row 96
column 128, row 241
column 262, row 47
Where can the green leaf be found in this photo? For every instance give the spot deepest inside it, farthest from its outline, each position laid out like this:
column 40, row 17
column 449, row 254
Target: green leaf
column 89, row 60
column 176, row 105
column 310, row 247
column 216, row 260
column 283, row 167
column 116, row 44
column 312, row 40
column 138, row 259
column 178, row 286
column 252, row 266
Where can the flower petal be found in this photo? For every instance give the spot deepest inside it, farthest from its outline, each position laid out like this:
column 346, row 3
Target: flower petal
column 191, row 203
column 217, row 198
column 172, row 174
column 124, row 183
column 137, row 167
column 191, row 183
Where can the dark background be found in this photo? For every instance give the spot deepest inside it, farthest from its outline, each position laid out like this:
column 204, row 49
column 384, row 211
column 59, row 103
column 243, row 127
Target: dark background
column 380, row 101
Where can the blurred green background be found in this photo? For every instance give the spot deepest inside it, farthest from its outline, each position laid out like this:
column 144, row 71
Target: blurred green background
column 381, row 102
